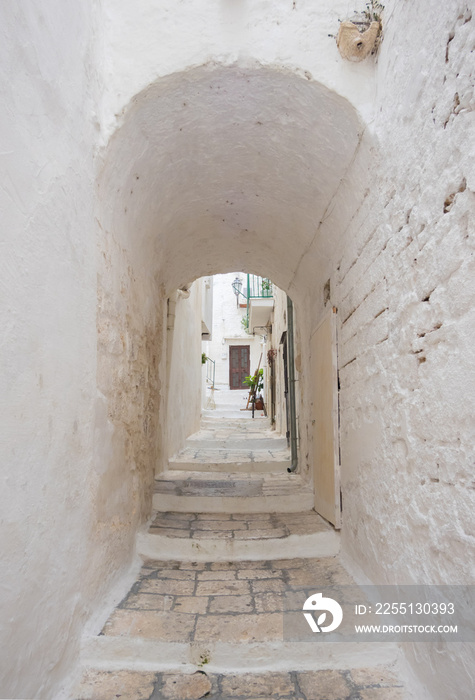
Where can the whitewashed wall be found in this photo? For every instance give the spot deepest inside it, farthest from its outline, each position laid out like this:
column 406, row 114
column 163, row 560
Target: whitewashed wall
column 185, row 369
column 196, row 107
column 279, row 325
column 404, row 284
column 50, row 571
column 167, row 38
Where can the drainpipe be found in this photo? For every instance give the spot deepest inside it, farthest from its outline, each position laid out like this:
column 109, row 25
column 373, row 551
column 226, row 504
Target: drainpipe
column 293, row 415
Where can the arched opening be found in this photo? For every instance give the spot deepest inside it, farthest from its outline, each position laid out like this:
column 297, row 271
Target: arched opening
column 213, row 170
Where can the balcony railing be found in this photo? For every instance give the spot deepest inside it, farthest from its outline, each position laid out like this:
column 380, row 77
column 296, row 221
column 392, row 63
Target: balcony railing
column 258, row 287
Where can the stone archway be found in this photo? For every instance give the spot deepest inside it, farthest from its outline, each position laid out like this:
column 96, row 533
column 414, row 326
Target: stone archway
column 212, row 170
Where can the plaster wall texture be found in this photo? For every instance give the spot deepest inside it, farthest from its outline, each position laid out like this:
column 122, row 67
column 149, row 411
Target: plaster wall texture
column 164, row 38
column 185, row 372
column 51, row 574
column 227, row 327
column 279, row 325
column 403, row 282
column 192, row 184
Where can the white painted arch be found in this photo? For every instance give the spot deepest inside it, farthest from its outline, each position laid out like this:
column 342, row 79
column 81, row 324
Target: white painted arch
column 217, row 169
column 222, row 168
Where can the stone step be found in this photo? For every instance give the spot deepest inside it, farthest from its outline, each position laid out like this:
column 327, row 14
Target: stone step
column 244, row 466
column 227, row 619
column 247, row 443
column 236, row 433
column 226, row 537
column 154, row 671
column 202, row 492
column 264, row 454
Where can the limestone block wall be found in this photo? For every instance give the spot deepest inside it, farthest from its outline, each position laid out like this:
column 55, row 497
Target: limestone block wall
column 404, row 286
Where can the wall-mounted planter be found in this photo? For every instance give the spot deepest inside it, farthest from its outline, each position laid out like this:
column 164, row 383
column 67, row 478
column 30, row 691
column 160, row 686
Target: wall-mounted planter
column 355, row 45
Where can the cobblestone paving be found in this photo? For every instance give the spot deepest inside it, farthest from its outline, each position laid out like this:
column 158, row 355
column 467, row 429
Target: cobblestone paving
column 355, row 684
column 239, row 527
column 218, row 601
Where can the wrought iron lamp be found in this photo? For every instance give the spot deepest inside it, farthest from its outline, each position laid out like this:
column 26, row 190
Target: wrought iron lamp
column 237, row 286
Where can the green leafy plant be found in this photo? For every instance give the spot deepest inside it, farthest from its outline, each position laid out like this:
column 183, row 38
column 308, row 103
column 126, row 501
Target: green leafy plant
column 245, row 323
column 204, row 357
column 255, row 381
column 266, row 285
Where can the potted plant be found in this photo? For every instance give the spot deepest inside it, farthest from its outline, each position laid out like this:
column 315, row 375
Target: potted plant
column 256, row 383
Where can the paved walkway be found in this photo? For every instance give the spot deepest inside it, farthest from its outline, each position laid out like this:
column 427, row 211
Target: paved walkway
column 230, row 438
column 206, row 607
column 232, row 463
column 219, row 601
column 228, row 404
column 210, row 603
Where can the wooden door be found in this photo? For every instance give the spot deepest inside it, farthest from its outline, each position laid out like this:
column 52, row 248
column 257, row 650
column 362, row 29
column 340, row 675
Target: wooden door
column 326, row 448
column 239, row 365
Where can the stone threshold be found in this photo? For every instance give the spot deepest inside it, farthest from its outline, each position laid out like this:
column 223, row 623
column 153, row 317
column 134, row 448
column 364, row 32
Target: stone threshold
column 136, row 653
column 161, row 547
column 201, row 492
column 295, row 502
column 251, row 465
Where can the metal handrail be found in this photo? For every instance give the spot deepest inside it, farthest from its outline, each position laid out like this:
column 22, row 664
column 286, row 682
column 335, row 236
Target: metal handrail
column 210, row 371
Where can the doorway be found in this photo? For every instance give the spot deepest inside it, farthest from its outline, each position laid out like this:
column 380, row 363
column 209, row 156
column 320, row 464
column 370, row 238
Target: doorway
column 239, row 365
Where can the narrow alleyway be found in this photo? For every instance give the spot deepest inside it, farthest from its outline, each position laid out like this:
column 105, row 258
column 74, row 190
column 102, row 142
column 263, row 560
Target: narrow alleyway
column 222, row 564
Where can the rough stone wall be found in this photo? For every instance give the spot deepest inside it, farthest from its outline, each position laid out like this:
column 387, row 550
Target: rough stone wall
column 130, row 336
column 404, row 287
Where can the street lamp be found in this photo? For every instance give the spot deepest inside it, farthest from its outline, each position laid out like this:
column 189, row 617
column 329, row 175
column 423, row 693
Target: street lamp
column 237, row 286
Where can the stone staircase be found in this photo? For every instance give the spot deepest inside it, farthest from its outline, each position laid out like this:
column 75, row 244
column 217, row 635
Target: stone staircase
column 232, row 544
column 232, row 465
